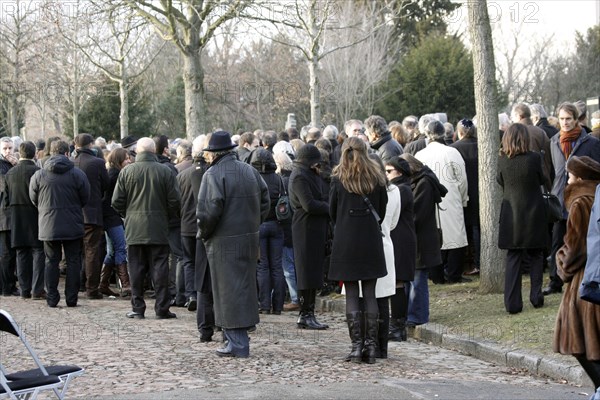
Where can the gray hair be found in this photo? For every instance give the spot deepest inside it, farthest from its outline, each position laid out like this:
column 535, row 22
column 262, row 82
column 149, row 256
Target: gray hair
column 6, row 139
column 538, row 111
column 146, row 145
column 377, row 125
column 198, row 144
column 330, row 132
column 424, row 122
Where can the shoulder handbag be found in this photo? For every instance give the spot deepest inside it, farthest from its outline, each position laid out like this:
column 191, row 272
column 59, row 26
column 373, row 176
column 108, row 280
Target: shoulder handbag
column 438, row 224
column 552, row 206
column 373, row 213
column 283, row 211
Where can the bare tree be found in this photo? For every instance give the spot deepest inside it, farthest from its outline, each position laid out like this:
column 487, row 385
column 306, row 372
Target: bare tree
column 353, row 73
column 308, row 24
column 492, row 266
column 522, row 61
column 117, row 43
column 18, row 32
column 190, row 25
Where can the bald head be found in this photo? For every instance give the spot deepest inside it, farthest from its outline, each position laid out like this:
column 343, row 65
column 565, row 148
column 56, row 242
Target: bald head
column 146, row 145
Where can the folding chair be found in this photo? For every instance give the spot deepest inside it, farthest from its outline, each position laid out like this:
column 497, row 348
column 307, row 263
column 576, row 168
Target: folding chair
column 45, row 374
column 28, row 388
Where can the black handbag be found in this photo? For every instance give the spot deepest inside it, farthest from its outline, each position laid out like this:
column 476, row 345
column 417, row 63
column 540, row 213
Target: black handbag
column 553, row 208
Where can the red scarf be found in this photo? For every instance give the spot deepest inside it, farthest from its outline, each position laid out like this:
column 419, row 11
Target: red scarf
column 567, row 140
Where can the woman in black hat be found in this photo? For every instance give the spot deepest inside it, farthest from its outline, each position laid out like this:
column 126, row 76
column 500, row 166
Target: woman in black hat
column 309, row 229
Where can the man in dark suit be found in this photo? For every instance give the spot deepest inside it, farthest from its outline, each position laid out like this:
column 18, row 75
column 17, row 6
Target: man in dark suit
column 95, row 170
column 24, row 225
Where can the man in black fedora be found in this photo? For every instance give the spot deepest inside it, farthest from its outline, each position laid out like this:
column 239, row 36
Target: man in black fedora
column 232, row 203
column 129, row 143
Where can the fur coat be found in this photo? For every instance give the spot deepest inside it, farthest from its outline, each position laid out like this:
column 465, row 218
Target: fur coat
column 577, row 330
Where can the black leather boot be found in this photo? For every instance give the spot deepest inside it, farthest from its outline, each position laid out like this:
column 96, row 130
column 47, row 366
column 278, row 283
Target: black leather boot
column 355, row 324
column 307, row 319
column 370, row 344
column 382, row 338
column 397, row 331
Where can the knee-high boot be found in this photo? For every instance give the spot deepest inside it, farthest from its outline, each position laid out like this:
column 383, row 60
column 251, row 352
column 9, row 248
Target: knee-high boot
column 105, row 275
column 397, row 329
column 355, row 329
column 124, row 278
column 382, row 336
column 370, row 344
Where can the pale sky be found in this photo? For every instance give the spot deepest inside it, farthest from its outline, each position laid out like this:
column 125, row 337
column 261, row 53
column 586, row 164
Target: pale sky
column 538, row 18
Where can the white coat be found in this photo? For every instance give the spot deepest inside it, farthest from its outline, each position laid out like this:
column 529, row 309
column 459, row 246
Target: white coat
column 386, row 286
column 449, row 166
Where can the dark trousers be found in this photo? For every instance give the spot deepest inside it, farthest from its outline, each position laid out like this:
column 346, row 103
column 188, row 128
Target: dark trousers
column 474, row 236
column 269, row 272
column 205, row 314
column 53, row 251
column 92, row 240
column 176, row 275
column 516, row 261
column 188, row 262
column 154, row 259
column 8, row 265
column 453, row 260
column 30, row 269
column 558, row 234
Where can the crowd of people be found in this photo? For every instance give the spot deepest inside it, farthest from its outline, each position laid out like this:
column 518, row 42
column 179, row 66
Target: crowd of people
column 229, row 226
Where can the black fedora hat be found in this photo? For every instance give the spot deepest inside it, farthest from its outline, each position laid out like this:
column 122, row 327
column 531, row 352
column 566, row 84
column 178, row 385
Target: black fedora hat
column 128, row 141
column 220, row 141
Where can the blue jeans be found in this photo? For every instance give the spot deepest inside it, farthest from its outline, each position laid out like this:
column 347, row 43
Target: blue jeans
column 289, row 272
column 116, row 249
column 269, row 273
column 418, row 299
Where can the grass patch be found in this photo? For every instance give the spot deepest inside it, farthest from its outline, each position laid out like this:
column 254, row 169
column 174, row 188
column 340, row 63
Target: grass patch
column 470, row 314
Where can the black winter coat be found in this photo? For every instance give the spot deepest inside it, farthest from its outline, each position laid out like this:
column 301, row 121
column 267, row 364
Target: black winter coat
column 189, row 185
column 404, row 236
column 427, row 192
column 522, row 213
column 309, row 225
column 5, row 166
column 546, row 127
column 467, row 147
column 387, row 147
column 110, row 216
column 59, row 191
column 23, row 214
column 232, row 203
column 174, row 221
column 93, row 167
column 357, row 252
column 416, row 146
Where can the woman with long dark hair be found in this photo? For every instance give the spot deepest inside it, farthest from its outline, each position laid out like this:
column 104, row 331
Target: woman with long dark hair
column 358, row 200
column 116, row 248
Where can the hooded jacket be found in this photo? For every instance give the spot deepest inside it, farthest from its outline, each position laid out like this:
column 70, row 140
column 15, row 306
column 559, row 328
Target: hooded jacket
column 59, row 191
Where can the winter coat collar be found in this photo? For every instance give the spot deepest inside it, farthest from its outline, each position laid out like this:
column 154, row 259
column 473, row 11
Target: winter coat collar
column 579, row 189
column 379, row 142
column 146, row 156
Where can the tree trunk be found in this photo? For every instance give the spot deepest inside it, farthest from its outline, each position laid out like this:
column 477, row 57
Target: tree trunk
column 492, row 258
column 315, row 92
column 193, row 81
column 124, row 95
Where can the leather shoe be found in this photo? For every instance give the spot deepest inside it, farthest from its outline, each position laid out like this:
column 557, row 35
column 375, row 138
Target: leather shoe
column 474, row 271
column 310, row 322
column 191, row 304
column 168, row 315
column 96, row 295
column 136, row 315
column 551, row 289
column 224, row 352
column 206, row 339
column 291, row 307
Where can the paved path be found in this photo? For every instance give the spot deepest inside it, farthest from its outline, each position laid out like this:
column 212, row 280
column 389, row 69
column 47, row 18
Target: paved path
column 152, row 359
